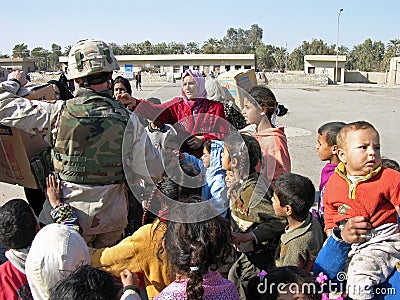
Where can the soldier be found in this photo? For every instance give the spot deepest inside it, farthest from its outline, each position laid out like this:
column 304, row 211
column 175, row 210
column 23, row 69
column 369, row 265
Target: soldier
column 86, row 134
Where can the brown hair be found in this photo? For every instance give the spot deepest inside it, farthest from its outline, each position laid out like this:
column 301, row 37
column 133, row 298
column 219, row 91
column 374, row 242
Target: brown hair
column 351, row 127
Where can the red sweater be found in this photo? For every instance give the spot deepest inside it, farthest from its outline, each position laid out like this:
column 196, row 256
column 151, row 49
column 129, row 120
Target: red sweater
column 13, row 283
column 210, row 121
column 374, row 197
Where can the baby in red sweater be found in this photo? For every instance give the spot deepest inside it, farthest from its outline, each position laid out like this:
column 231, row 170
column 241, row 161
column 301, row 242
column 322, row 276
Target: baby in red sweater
column 360, row 186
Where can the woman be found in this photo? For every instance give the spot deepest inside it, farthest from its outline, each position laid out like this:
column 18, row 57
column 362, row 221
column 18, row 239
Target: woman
column 195, row 118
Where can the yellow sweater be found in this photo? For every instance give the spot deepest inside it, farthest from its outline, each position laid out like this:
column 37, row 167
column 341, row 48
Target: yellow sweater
column 138, row 253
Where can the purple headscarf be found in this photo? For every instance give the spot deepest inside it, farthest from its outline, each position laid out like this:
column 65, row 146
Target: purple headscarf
column 201, row 85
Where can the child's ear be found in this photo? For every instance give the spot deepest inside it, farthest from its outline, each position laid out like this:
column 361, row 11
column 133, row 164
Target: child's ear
column 234, row 162
column 334, row 149
column 342, row 155
column 289, row 210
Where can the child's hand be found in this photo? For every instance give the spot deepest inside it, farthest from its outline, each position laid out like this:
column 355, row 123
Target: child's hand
column 126, row 99
column 53, row 191
column 129, row 278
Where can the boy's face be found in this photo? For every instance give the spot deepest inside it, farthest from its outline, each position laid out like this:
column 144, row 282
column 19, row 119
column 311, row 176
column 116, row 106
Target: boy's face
column 361, row 153
column 226, row 160
column 206, row 158
column 325, row 151
column 276, row 204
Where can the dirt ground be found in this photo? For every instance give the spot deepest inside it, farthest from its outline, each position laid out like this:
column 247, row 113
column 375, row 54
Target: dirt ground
column 309, row 107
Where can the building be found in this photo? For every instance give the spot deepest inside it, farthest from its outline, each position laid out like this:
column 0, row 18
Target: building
column 326, row 64
column 394, row 71
column 26, row 64
column 178, row 63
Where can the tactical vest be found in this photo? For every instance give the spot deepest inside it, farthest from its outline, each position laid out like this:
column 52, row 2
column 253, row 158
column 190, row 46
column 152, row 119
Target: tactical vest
column 88, row 145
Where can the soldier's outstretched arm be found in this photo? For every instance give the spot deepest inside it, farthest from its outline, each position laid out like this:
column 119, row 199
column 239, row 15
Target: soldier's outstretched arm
column 32, row 116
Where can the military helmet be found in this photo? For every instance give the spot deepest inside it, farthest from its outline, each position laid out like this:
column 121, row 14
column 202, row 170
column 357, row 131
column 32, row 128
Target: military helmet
column 89, row 57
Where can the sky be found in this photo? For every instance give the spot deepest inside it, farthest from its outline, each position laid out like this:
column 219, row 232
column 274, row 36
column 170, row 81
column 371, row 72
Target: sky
column 285, row 23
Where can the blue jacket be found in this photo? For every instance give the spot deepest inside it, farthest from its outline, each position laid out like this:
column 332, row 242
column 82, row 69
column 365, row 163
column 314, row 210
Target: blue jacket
column 214, row 188
column 331, row 260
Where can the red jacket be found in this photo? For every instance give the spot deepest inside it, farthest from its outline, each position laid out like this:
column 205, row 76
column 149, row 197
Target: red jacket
column 373, row 197
column 209, row 122
column 13, row 283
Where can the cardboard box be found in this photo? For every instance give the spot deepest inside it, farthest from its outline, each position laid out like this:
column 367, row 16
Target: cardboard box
column 238, row 83
column 18, row 147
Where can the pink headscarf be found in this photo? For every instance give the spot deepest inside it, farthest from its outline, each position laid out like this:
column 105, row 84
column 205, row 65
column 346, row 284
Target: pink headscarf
column 201, row 85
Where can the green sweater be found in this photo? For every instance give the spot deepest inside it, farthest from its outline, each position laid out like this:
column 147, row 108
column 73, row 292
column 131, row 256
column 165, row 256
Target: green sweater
column 300, row 246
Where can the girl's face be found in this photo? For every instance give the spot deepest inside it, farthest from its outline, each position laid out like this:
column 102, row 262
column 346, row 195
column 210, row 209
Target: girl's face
column 119, row 89
column 189, row 87
column 226, row 160
column 206, row 158
column 253, row 114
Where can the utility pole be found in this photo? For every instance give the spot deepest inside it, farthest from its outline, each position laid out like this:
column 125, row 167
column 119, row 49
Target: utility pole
column 337, row 44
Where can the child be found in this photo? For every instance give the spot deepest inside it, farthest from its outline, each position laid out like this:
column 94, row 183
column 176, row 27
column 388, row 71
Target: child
column 327, row 150
column 303, row 237
column 214, row 188
column 262, row 109
column 255, row 225
column 284, row 283
column 138, row 252
column 89, row 283
column 360, row 186
column 157, row 131
column 195, row 250
column 18, row 227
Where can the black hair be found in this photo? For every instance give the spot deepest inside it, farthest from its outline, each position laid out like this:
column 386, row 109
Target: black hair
column 391, row 164
column 207, row 145
column 125, row 82
column 266, row 99
column 296, row 191
column 154, row 100
column 331, row 131
column 17, row 224
column 194, row 248
column 268, row 287
column 65, row 93
column 245, row 149
column 87, row 283
column 178, row 182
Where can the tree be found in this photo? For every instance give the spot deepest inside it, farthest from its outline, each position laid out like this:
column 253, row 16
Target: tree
column 254, row 36
column 367, row 56
column 161, row 48
column 176, row 48
column 116, row 49
column 212, row 46
column 66, row 50
column 20, row 51
column 265, row 56
column 392, row 50
column 54, row 55
column 192, row 47
column 43, row 57
column 281, row 55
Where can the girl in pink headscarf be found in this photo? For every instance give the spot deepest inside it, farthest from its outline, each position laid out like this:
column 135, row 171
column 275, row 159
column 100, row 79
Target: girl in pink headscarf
column 194, row 117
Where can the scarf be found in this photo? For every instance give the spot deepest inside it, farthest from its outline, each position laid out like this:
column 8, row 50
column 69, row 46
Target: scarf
column 197, row 103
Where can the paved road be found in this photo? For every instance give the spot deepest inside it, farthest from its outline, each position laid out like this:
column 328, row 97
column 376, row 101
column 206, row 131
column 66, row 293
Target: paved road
column 309, row 108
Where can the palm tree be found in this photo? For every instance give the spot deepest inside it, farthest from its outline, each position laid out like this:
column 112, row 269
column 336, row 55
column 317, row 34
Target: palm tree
column 20, row 51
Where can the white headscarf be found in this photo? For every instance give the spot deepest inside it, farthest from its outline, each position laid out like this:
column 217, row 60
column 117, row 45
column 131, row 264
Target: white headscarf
column 55, row 250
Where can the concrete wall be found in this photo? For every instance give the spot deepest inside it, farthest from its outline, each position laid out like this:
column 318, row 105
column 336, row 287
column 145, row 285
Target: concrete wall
column 297, row 78
column 365, row 77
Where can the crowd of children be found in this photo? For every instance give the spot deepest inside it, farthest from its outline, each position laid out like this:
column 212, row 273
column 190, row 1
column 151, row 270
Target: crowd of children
column 262, row 238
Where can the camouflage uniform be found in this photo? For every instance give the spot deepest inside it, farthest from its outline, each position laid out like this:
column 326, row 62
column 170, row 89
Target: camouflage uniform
column 101, row 208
